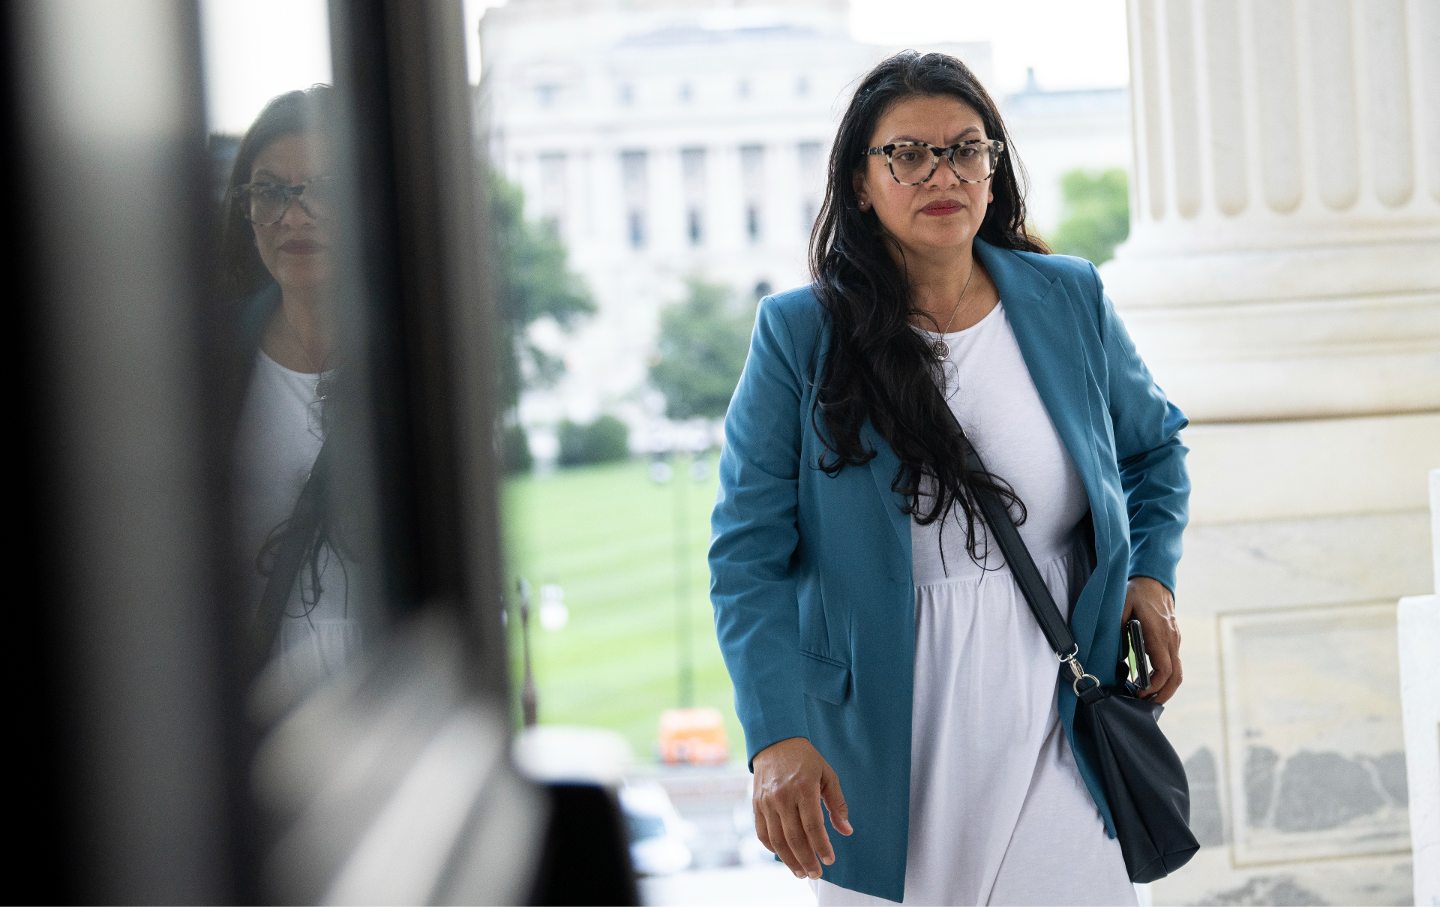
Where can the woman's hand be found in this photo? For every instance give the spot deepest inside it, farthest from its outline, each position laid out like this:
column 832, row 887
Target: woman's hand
column 1148, row 601
column 792, row 779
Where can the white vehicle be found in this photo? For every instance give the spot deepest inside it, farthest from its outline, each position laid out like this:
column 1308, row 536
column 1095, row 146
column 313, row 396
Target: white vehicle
column 659, row 838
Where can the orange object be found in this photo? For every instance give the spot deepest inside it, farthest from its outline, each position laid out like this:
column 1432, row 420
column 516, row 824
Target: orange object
column 693, row 736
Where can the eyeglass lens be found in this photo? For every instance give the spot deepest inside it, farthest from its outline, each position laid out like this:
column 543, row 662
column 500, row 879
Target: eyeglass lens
column 915, row 163
column 265, row 204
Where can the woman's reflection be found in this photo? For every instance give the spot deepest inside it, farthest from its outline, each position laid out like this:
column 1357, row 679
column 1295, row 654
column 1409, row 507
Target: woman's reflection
column 279, row 275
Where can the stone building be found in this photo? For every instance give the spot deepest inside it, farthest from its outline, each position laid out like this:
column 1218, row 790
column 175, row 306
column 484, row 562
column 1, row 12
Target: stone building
column 664, row 140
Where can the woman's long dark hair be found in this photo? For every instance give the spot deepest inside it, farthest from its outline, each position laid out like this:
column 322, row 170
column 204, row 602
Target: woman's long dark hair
column 248, row 296
column 878, row 367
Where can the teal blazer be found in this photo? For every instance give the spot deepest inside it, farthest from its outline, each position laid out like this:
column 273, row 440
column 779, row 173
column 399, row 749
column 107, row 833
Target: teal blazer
column 810, row 574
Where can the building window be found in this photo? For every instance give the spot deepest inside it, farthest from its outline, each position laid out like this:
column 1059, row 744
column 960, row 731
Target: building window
column 802, row 86
column 625, row 93
column 687, row 92
column 743, row 88
column 810, row 159
column 752, row 187
column 546, row 94
column 692, row 170
column 692, row 179
column 551, row 200
column 632, row 170
column 752, row 163
column 634, row 187
column 635, row 224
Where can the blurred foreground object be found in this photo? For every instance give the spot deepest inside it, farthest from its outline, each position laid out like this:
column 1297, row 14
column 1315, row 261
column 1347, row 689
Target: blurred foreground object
column 585, row 857
column 393, row 785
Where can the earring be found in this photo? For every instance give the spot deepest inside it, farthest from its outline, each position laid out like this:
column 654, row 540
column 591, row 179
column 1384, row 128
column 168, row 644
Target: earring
column 864, row 205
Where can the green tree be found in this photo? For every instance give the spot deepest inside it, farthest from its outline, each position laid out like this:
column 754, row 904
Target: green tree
column 703, row 341
column 1096, row 215
column 514, row 448
column 605, row 440
column 531, row 282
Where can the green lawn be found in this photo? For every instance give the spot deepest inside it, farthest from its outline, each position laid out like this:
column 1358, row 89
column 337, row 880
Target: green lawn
column 611, row 538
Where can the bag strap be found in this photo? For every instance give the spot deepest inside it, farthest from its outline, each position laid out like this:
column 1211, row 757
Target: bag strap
column 289, row 558
column 1022, row 566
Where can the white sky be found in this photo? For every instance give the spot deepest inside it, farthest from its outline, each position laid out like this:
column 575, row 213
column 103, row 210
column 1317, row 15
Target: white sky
column 251, row 57
column 257, row 49
column 1078, row 44
column 1070, row 43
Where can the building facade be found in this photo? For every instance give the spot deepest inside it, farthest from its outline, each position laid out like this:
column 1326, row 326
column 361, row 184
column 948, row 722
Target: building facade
column 664, row 141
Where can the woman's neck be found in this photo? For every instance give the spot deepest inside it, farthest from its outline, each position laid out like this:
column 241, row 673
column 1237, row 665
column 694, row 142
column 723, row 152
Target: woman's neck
column 943, row 289
column 300, row 335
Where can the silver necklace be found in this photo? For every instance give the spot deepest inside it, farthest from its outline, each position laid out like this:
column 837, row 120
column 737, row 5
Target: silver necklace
column 938, row 347
column 323, row 374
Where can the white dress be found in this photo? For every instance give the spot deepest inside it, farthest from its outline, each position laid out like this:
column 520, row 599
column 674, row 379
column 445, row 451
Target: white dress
column 279, row 438
column 998, row 812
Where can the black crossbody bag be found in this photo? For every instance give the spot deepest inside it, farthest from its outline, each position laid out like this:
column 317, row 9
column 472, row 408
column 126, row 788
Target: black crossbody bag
column 1143, row 776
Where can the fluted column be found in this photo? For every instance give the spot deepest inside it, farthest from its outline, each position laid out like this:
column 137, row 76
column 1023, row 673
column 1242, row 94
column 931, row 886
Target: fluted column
column 1286, row 204
column 1282, row 278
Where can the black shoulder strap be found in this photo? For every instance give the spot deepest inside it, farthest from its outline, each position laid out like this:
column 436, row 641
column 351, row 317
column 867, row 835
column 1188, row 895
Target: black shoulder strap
column 1022, row 565
column 290, row 553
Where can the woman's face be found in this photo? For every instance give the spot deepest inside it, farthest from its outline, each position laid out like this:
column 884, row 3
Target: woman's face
column 943, row 213
column 298, row 249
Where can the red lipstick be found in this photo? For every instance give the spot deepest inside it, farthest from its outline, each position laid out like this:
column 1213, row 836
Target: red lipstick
column 941, row 207
column 301, row 247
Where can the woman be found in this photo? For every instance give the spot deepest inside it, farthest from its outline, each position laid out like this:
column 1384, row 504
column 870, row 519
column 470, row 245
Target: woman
column 884, row 662
column 278, row 283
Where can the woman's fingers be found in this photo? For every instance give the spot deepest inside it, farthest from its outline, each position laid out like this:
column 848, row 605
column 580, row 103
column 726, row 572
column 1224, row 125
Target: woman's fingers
column 780, row 843
column 786, row 835
column 1149, row 601
column 797, row 835
column 1167, row 675
column 792, row 781
column 834, row 800
column 817, row 842
column 762, row 831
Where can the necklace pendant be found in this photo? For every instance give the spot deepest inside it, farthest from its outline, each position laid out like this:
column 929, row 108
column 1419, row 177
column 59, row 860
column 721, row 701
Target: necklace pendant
column 940, row 349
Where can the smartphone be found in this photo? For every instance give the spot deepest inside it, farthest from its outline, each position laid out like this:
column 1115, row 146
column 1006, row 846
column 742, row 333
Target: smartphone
column 1138, row 658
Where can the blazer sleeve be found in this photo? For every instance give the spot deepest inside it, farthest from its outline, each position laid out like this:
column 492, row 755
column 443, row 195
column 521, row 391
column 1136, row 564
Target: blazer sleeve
column 755, row 536
column 1148, row 450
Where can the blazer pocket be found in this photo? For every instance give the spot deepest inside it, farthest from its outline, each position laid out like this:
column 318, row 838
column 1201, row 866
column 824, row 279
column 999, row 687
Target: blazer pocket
column 825, row 679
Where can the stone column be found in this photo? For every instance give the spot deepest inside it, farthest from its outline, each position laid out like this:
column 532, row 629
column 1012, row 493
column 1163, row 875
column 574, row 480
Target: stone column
column 1283, row 280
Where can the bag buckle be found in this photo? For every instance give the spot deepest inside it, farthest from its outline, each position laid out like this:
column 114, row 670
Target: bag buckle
column 1077, row 671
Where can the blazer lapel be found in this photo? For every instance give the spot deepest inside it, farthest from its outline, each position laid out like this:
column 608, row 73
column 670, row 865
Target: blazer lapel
column 1050, row 343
